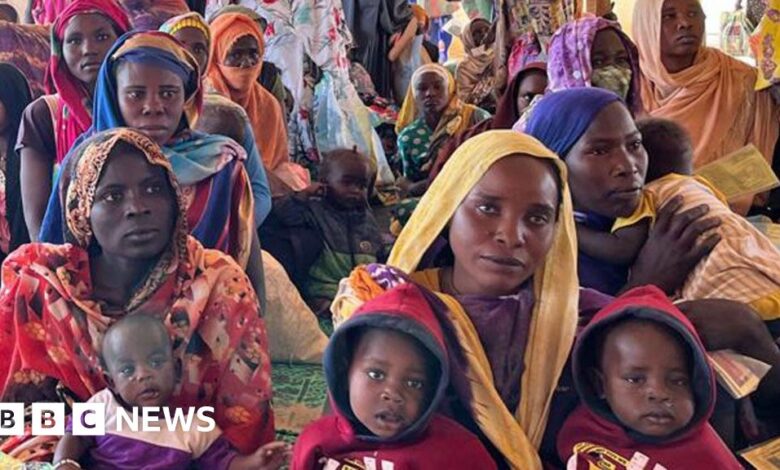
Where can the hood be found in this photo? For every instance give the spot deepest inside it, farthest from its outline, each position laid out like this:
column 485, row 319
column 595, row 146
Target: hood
column 647, row 303
column 403, row 309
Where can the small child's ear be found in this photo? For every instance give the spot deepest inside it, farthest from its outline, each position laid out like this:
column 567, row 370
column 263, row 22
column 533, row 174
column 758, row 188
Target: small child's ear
column 597, row 380
column 108, row 379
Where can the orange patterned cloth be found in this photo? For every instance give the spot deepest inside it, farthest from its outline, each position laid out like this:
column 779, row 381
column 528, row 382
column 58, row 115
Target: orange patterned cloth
column 51, row 327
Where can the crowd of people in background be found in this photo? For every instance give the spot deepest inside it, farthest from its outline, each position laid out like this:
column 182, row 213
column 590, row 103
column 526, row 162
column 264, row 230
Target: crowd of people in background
column 491, row 208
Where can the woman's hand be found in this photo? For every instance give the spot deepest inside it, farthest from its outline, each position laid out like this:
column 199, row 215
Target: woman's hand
column 674, row 246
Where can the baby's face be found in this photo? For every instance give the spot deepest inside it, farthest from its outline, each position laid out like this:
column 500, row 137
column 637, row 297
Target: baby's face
column 141, row 368
column 645, row 379
column 388, row 385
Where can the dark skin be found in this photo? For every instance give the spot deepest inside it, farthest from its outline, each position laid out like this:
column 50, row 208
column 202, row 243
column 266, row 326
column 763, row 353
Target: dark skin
column 8, row 13
column 86, row 40
column 431, row 98
column 503, row 229
column 196, row 42
column 245, row 53
column 607, row 49
column 534, row 83
column 141, row 371
column 644, row 376
column 480, row 29
column 682, row 33
column 151, row 100
column 132, row 220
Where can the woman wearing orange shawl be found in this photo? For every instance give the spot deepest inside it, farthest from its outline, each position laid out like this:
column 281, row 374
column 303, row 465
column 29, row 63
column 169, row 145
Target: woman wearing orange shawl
column 703, row 89
column 237, row 48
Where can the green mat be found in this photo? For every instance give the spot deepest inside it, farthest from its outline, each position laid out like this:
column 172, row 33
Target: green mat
column 300, row 395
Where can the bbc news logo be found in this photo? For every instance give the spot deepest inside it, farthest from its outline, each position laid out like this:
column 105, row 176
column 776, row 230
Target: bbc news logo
column 89, row 419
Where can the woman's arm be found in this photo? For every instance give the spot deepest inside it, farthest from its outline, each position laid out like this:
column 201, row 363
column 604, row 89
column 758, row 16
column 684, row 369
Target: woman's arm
column 673, row 247
column 404, row 40
column 261, row 191
column 36, row 175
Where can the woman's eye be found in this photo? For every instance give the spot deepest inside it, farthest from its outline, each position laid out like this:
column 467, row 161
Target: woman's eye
column 415, row 384
column 134, row 95
column 376, row 375
column 126, row 371
column 539, row 219
column 635, row 145
column 597, row 63
column 168, row 94
column 633, row 380
column 73, row 41
column 599, row 151
column 154, row 189
column 102, row 37
column 487, row 209
column 681, row 382
column 112, row 196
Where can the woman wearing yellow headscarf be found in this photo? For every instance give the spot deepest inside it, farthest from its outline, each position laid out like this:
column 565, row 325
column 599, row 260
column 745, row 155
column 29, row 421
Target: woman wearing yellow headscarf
column 703, row 89
column 497, row 230
column 430, row 115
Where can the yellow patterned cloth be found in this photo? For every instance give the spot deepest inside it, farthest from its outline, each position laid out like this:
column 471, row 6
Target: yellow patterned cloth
column 765, row 43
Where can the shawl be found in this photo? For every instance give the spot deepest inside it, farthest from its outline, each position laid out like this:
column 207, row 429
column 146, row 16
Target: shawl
column 569, row 63
column 208, row 166
column 265, row 112
column 15, row 96
column 188, row 20
column 517, row 434
column 74, row 102
column 27, row 48
column 454, row 119
column 505, row 117
column 699, row 97
column 474, row 74
column 144, row 14
column 52, row 327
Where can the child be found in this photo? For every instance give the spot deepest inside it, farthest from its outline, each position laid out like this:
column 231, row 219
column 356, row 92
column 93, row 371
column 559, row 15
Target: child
column 647, row 391
column 744, row 266
column 321, row 234
column 222, row 117
column 387, row 372
column 137, row 357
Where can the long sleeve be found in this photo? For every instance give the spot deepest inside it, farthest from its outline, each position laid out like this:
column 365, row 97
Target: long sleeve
column 261, row 192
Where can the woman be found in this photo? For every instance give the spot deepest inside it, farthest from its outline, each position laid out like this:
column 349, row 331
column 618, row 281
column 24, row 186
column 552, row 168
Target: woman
column 703, row 89
column 27, row 47
column 595, row 52
column 149, row 82
column 144, row 14
column 528, row 83
column 193, row 32
column 431, row 115
column 235, row 65
column 14, row 97
column 500, row 233
column 475, row 74
column 81, row 36
column 129, row 252
column 595, row 134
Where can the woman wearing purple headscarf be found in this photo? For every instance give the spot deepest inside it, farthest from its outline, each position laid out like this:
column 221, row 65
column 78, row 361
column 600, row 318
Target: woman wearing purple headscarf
column 595, row 52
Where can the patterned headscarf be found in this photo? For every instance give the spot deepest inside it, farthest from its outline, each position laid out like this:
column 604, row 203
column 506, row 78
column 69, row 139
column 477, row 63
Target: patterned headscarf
column 87, row 165
column 569, row 62
column 188, row 20
column 74, row 94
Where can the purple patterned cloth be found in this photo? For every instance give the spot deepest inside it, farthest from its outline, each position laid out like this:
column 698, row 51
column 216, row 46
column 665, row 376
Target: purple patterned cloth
column 569, row 57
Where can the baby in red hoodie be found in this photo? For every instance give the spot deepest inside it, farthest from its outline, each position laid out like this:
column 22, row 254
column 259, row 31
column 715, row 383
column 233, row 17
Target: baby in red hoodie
column 387, row 372
column 647, row 390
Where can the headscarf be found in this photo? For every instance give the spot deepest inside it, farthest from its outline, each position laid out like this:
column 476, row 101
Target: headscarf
column 15, row 96
column 569, row 63
column 474, row 74
column 87, row 165
column 579, row 106
column 713, row 99
column 455, row 117
column 188, row 20
column 202, row 296
column 255, row 16
column 264, row 111
column 75, row 100
column 765, row 44
column 517, row 434
column 506, row 115
column 144, row 14
column 421, row 16
column 209, row 163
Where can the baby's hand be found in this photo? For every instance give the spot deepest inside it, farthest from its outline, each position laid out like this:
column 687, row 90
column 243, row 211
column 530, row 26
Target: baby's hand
column 273, row 455
column 269, row 457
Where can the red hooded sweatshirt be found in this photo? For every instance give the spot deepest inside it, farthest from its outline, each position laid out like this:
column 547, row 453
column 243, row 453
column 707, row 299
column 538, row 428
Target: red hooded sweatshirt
column 602, row 441
column 433, row 441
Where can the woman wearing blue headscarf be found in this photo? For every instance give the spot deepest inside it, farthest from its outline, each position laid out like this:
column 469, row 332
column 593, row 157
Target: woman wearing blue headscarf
column 149, row 82
column 594, row 132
